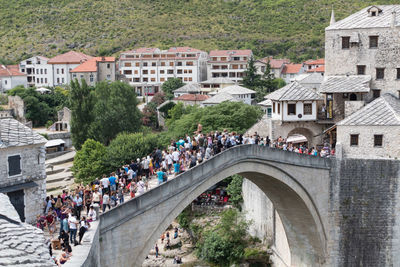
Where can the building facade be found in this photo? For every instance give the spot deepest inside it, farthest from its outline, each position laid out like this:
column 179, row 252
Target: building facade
column 147, row 69
column 229, row 64
column 291, row 71
column 95, row 70
column 22, row 168
column 366, row 43
column 10, row 77
column 38, row 72
column 277, row 65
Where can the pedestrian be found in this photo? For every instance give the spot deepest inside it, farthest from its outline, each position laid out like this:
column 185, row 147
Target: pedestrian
column 84, row 226
column 73, row 224
column 121, row 194
column 106, row 202
column 156, row 248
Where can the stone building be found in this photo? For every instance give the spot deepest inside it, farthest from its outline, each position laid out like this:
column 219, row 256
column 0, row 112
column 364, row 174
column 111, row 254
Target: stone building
column 10, row 77
column 95, row 70
column 22, row 168
column 189, row 88
column 191, row 99
column 373, row 131
column 366, row 43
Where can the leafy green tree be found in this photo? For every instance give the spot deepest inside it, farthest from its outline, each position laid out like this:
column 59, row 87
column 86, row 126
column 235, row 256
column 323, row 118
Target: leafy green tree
column 82, row 103
column 170, row 85
column 36, row 111
column 267, row 84
column 251, row 78
column 234, row 190
column 224, row 244
column 115, row 111
column 89, row 162
column 129, row 146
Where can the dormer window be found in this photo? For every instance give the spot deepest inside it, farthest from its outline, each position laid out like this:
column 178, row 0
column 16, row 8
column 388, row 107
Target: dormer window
column 374, row 11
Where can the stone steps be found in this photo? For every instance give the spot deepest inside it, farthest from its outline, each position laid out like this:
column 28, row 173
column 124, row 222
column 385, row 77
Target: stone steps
column 67, row 157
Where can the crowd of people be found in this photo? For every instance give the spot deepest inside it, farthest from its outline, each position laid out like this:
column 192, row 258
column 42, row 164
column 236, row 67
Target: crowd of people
column 66, row 210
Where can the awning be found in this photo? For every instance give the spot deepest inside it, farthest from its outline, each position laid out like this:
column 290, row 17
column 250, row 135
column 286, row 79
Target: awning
column 17, row 187
column 55, row 142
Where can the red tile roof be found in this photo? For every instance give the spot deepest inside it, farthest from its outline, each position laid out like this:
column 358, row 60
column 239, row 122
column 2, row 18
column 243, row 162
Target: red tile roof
column 192, row 97
column 226, row 53
column 320, row 61
column 275, row 63
column 183, row 49
column 10, row 70
column 292, row 68
column 71, row 57
column 143, row 50
column 319, row 69
column 91, row 64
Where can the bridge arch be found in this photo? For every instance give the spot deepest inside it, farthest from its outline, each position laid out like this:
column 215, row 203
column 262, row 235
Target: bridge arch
column 288, row 179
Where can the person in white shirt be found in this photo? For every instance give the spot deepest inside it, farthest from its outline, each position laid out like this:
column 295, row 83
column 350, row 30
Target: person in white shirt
column 72, row 223
column 91, row 214
column 105, row 183
column 175, row 156
column 106, row 202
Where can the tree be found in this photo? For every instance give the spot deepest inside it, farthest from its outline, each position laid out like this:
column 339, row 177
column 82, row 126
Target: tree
column 129, row 146
column 170, row 85
column 234, row 190
column 115, row 111
column 88, row 162
column 267, row 84
column 224, row 244
column 251, row 79
column 82, row 103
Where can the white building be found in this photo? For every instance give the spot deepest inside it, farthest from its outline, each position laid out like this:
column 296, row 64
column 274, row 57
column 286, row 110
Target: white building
column 38, row 72
column 61, row 66
column 228, row 64
column 11, row 77
column 240, row 93
column 148, row 68
column 294, row 102
column 373, row 131
column 277, row 65
column 22, row 168
column 266, row 106
column 95, row 70
column 291, row 71
column 215, row 84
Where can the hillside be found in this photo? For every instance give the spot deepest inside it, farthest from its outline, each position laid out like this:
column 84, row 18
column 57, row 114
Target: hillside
column 292, row 28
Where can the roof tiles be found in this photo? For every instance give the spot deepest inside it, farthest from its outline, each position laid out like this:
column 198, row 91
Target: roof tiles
column 293, row 92
column 292, row 68
column 71, row 57
column 91, row 64
column 346, row 84
column 227, row 53
column 14, row 133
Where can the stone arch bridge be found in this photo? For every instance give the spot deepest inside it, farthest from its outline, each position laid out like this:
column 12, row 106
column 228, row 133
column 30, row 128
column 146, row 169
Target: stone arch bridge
column 335, row 212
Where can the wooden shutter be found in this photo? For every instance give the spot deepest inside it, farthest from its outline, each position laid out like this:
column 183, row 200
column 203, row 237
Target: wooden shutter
column 14, row 165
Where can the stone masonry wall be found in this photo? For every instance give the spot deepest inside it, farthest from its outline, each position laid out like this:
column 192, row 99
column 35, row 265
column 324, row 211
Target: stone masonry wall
column 364, row 198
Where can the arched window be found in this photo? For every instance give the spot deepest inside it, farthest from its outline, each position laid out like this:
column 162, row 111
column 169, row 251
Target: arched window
column 91, row 78
column 353, row 97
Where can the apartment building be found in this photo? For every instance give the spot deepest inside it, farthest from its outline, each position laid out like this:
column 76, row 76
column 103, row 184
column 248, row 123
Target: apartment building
column 277, row 65
column 228, row 64
column 61, row 65
column 38, row 72
column 147, row 69
column 95, row 70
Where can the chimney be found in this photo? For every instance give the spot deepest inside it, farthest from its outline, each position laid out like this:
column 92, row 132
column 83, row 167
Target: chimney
column 333, row 20
column 394, row 22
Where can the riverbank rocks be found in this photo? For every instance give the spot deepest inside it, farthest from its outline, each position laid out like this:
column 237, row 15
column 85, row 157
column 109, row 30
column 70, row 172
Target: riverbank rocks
column 20, row 244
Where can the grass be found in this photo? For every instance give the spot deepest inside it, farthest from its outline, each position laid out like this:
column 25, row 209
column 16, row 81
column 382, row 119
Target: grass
column 291, row 28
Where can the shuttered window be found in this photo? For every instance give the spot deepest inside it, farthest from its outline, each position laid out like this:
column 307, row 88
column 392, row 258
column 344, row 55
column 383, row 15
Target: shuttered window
column 14, row 165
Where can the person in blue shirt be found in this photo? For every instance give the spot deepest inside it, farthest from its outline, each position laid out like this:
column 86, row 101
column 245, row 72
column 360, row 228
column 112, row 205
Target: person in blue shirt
column 176, row 168
column 113, row 182
column 160, row 176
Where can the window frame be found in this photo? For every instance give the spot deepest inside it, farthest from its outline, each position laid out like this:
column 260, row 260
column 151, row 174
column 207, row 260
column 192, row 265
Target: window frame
column 8, row 165
column 347, row 38
column 374, row 91
column 398, row 74
column 361, row 67
column 351, row 140
column 304, row 110
column 291, row 113
column 372, row 37
column 380, row 77
column 381, row 140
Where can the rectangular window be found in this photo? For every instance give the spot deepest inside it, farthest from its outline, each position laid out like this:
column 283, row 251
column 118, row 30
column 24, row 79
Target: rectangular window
column 58, row 71
column 361, row 70
column 137, row 64
column 307, row 109
column 14, row 165
column 376, row 93
column 179, row 63
column 279, row 108
column 345, row 42
column 58, row 80
column 162, row 71
column 291, row 109
column 190, row 79
column 145, row 72
column 153, row 71
column 41, row 71
column 354, row 140
column 154, row 64
column 108, row 65
column 45, row 71
column 162, row 79
column 171, row 64
column 144, row 64
column 128, row 72
column 37, row 71
column 162, row 63
column 145, row 79
column 380, row 73
column 45, row 80
column 136, row 72
column 378, row 140
column 37, row 80
column 189, row 63
column 170, row 72
column 62, row 71
column 62, row 79
column 398, row 74
column 273, row 107
column 41, row 80
column 373, row 42
column 127, row 64
column 153, row 79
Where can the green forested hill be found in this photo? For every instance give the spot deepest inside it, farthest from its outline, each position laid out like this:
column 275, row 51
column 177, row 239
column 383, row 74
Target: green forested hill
column 292, row 28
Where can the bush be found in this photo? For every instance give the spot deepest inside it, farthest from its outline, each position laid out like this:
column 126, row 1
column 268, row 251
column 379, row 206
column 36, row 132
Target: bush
column 234, row 190
column 88, row 162
column 48, row 124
